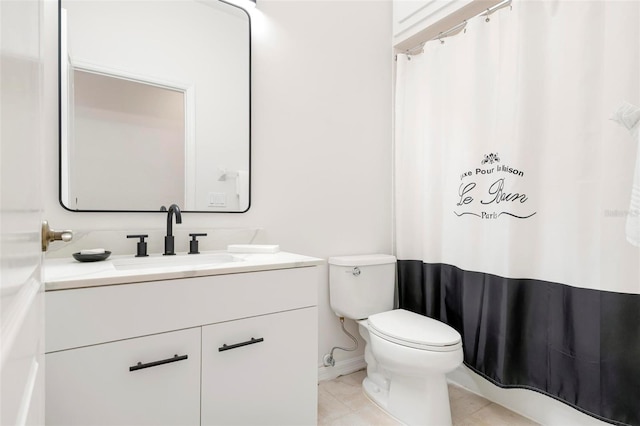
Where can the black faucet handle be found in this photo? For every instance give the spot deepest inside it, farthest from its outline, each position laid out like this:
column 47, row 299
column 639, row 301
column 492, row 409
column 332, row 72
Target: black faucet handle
column 193, row 244
column 142, row 245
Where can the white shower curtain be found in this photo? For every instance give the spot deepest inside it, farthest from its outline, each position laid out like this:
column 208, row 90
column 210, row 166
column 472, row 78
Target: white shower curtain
column 509, row 168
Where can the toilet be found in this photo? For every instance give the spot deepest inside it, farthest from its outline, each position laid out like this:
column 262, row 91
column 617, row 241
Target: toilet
column 407, row 354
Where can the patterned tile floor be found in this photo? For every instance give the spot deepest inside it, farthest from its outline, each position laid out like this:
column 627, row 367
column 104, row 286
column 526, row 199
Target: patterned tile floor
column 341, row 402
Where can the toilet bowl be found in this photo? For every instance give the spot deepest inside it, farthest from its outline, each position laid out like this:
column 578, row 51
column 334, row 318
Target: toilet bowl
column 407, row 354
column 414, row 366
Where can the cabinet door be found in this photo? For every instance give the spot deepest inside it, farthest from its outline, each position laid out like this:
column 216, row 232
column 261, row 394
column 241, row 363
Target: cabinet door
column 130, row 382
column 261, row 370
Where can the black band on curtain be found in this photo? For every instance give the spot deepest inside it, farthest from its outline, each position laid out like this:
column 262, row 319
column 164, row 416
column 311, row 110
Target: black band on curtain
column 577, row 345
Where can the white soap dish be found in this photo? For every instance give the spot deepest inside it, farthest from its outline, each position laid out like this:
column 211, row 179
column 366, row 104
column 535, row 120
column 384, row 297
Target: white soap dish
column 253, row 248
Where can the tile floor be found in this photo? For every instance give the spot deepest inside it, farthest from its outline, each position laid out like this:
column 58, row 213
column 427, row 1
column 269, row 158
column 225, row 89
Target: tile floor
column 341, row 402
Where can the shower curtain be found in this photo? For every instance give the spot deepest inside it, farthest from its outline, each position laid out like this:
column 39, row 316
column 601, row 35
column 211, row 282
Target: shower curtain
column 513, row 181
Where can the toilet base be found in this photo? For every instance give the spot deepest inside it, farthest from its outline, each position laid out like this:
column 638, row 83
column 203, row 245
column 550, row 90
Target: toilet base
column 398, row 391
column 413, row 401
column 375, row 393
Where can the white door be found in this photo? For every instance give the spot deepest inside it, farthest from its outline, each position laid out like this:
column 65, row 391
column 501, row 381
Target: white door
column 21, row 292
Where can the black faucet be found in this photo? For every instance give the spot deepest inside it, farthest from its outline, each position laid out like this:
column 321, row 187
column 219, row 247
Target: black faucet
column 168, row 240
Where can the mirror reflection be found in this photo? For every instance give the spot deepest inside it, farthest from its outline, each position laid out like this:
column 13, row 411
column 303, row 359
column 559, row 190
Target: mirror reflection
column 155, row 105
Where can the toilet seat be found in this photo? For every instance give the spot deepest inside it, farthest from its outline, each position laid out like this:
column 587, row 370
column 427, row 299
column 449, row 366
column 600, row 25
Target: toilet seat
column 415, row 331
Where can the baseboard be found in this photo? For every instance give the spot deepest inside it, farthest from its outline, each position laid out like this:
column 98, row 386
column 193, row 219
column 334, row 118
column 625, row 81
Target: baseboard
column 341, row 368
column 533, row 405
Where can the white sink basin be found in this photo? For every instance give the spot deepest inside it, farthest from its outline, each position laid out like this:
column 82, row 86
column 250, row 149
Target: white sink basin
column 179, row 260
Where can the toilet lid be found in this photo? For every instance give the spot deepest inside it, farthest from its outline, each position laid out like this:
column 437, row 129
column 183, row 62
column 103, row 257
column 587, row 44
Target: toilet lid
column 410, row 329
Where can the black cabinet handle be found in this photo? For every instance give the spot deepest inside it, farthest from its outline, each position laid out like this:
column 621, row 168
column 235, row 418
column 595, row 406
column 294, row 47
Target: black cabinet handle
column 226, row 347
column 140, row 366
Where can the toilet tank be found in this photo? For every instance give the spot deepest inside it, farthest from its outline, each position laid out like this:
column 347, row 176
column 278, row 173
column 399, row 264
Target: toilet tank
column 362, row 285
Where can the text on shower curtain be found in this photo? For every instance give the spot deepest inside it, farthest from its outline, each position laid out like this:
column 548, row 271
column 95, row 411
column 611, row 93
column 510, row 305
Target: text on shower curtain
column 487, row 191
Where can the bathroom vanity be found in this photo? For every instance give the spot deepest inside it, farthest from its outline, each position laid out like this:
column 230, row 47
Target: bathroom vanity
column 221, row 339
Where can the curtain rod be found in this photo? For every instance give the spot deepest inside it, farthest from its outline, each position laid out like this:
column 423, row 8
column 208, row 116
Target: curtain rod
column 461, row 26
column 416, row 43
column 496, row 8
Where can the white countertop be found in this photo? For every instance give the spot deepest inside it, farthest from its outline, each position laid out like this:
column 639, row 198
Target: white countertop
column 68, row 273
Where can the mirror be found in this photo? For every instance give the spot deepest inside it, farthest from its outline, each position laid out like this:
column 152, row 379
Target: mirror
column 154, row 105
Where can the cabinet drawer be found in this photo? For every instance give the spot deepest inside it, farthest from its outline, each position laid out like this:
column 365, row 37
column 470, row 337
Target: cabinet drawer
column 105, row 384
column 89, row 316
column 261, row 371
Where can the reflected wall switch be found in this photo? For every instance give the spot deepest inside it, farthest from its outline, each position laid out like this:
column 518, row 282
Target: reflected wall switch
column 217, row 199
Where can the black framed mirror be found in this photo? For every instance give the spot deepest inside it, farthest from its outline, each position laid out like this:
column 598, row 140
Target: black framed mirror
column 155, row 105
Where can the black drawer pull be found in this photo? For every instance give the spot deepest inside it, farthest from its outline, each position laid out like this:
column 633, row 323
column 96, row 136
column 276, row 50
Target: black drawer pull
column 175, row 358
column 226, row 347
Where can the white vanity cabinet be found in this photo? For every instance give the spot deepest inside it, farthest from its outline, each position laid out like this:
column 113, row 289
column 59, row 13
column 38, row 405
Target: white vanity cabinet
column 97, row 335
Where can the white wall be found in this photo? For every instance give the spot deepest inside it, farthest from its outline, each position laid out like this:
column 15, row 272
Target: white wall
column 321, row 153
